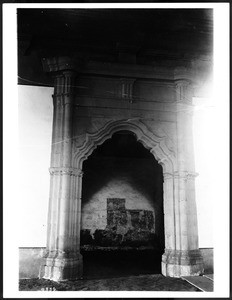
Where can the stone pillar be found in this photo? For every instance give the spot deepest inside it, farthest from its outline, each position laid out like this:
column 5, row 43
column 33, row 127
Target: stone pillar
column 183, row 258
column 169, row 212
column 63, row 259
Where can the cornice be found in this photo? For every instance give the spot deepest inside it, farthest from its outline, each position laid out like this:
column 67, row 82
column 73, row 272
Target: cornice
column 121, row 70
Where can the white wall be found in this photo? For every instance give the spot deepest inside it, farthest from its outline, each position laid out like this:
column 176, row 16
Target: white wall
column 205, row 165
column 35, row 126
column 34, row 130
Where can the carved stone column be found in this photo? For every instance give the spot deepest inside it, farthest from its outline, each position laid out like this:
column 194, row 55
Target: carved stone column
column 62, row 259
column 169, row 211
column 183, row 258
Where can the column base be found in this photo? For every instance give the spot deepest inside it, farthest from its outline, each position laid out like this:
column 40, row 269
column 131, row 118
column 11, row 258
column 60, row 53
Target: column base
column 177, row 263
column 61, row 268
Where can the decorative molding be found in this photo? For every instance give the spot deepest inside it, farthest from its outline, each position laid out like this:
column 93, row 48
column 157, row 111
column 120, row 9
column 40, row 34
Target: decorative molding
column 65, row 171
column 186, row 175
column 184, row 91
column 186, row 257
column 168, row 175
column 126, row 88
column 151, row 140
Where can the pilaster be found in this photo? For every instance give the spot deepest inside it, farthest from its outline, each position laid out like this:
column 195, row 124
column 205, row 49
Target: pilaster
column 184, row 258
column 63, row 259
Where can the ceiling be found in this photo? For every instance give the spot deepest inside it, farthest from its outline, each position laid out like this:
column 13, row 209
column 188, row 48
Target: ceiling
column 154, row 36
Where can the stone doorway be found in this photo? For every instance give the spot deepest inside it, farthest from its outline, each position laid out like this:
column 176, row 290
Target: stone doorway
column 122, row 223
column 63, row 259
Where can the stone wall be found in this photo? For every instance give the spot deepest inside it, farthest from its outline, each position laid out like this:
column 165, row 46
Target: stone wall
column 100, row 100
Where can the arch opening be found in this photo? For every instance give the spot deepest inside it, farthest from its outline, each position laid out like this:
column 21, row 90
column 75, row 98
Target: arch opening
column 122, row 224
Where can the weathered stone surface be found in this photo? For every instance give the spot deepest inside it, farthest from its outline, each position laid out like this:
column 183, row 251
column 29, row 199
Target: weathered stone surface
column 125, row 227
column 115, row 204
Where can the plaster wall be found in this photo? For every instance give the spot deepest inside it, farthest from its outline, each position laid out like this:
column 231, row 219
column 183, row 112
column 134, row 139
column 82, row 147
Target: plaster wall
column 30, row 259
column 34, row 150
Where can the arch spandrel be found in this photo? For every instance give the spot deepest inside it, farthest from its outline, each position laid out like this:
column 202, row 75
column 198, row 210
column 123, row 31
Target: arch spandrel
column 155, row 143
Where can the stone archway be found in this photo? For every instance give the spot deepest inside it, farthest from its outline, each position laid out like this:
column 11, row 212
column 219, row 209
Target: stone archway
column 150, row 140
column 63, row 259
column 175, row 261
column 122, row 226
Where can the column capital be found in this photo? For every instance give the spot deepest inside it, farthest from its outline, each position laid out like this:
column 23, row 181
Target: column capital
column 66, row 171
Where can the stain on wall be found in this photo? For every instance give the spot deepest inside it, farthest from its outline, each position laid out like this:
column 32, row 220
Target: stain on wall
column 125, row 227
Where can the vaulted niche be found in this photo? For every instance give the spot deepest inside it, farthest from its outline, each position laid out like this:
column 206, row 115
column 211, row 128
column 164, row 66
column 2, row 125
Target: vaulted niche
column 122, row 229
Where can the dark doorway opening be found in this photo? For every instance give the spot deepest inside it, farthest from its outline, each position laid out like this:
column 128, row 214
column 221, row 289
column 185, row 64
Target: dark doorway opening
column 122, row 225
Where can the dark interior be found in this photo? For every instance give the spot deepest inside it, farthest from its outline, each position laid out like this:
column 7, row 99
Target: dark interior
column 140, row 252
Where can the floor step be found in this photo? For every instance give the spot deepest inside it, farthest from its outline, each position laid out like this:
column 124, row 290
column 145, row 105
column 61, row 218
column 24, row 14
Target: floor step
column 210, row 276
column 201, row 282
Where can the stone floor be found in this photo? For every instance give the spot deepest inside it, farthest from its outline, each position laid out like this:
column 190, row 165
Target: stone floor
column 156, row 282
column 121, row 271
